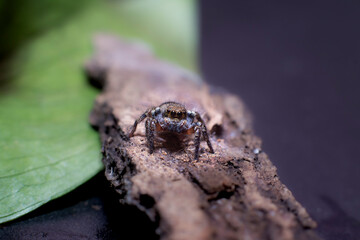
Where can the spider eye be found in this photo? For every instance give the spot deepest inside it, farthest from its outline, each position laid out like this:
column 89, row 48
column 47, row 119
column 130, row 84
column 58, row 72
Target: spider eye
column 173, row 113
column 157, row 110
column 191, row 114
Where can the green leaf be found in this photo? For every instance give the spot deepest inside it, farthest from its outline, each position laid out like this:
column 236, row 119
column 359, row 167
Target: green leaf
column 47, row 147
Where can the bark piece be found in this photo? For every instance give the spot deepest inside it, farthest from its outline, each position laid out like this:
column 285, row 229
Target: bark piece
column 234, row 193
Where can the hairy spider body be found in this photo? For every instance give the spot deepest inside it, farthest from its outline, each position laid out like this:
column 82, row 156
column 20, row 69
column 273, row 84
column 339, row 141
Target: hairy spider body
column 173, row 117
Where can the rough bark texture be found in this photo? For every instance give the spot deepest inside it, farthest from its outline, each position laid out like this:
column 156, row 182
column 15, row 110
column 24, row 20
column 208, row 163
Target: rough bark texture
column 234, row 193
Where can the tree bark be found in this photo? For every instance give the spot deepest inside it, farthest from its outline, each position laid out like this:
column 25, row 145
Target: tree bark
column 234, row 193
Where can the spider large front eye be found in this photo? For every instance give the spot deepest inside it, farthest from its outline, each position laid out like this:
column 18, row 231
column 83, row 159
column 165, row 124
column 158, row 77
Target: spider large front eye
column 173, row 114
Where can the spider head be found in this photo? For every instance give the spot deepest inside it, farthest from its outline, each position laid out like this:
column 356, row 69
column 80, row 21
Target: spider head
column 175, row 112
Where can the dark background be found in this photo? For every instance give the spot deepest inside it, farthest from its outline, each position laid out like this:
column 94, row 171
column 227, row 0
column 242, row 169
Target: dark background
column 296, row 64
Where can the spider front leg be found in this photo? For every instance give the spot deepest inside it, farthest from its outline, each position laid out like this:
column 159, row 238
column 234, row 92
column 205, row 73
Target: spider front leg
column 206, row 137
column 197, row 141
column 150, row 129
column 204, row 131
column 199, row 129
column 137, row 121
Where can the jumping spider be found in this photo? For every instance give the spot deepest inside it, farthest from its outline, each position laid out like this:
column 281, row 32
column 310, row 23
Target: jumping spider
column 173, row 117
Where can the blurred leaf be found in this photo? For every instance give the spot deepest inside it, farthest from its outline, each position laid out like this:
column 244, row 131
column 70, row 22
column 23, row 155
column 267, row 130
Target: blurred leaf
column 19, row 19
column 47, row 147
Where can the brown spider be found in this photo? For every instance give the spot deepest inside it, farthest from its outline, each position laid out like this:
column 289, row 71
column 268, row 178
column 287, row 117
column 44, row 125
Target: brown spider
column 173, row 117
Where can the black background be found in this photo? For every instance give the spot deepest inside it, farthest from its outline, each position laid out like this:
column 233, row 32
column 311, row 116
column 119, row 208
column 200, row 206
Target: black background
column 296, row 64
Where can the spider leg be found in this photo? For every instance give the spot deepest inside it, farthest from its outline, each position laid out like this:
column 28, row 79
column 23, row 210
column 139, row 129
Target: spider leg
column 205, row 132
column 137, row 121
column 197, row 142
column 206, row 137
column 150, row 129
column 147, row 129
